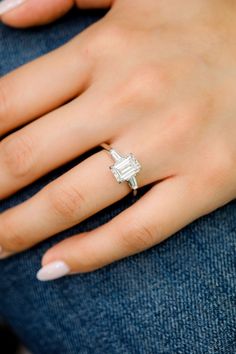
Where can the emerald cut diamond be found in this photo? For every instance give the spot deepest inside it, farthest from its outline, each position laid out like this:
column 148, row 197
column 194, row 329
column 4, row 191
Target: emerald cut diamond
column 125, row 168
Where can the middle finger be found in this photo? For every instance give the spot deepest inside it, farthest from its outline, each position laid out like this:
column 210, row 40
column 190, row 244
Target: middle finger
column 63, row 203
column 52, row 141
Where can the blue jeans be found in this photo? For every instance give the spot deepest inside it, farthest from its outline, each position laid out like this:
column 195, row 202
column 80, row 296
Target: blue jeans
column 177, row 297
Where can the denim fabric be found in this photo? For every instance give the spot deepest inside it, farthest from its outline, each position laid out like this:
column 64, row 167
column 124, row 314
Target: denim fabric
column 176, row 298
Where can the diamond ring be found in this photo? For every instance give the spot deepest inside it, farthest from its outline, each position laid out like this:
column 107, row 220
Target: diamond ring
column 125, row 167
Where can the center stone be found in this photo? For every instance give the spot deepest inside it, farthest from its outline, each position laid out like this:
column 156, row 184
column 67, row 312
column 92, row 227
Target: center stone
column 125, row 168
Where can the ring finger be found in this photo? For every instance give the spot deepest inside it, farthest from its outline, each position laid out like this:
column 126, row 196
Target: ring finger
column 73, row 197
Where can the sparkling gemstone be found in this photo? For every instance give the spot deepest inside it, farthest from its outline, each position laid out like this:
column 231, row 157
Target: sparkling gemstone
column 125, row 168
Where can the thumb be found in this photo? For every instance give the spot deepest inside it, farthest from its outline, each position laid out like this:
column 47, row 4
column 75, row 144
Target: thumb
column 25, row 13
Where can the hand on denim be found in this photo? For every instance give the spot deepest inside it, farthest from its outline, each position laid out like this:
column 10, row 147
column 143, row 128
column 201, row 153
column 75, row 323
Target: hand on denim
column 29, row 13
column 156, row 79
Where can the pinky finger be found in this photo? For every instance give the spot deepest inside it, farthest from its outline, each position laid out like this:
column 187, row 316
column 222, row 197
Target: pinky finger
column 161, row 212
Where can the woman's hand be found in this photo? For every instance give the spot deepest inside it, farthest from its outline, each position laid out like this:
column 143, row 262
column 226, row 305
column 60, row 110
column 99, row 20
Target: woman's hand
column 156, row 79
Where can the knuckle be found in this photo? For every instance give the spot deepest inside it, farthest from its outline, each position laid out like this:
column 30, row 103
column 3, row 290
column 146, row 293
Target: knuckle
column 139, row 237
column 108, row 35
column 11, row 239
column 221, row 168
column 228, row 163
column 66, row 201
column 150, row 76
column 97, row 38
column 141, row 86
column 114, row 32
column 17, row 152
column 182, row 124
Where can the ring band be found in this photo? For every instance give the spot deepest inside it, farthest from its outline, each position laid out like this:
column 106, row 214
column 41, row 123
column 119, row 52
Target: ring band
column 125, row 167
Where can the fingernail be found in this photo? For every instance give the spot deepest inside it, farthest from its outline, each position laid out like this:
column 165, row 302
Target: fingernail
column 4, row 254
column 52, row 271
column 8, row 5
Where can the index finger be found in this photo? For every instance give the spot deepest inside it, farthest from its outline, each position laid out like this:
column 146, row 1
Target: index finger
column 42, row 85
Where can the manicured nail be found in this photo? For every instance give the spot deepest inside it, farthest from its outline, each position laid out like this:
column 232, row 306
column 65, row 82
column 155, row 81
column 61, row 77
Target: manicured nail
column 8, row 5
column 53, row 271
column 4, row 254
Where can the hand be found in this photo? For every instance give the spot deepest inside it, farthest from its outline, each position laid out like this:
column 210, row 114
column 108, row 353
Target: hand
column 162, row 88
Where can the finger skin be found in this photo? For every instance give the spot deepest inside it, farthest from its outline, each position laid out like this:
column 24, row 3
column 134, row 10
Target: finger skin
column 62, row 204
column 89, row 4
column 41, row 12
column 36, row 12
column 51, row 141
column 45, row 85
column 159, row 214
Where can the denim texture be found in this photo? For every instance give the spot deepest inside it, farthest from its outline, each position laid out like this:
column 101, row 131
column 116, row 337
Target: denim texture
column 176, row 298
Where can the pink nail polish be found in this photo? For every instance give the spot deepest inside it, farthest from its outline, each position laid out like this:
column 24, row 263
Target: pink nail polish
column 52, row 271
column 8, row 5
